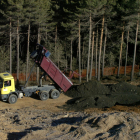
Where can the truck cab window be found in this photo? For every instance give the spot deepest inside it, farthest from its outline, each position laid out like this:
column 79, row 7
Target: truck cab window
column 7, row 83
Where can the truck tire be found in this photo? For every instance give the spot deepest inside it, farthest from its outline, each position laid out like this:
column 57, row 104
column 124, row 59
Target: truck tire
column 44, row 95
column 12, row 99
column 54, row 94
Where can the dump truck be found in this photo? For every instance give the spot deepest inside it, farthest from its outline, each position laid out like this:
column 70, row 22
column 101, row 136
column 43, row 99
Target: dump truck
column 61, row 83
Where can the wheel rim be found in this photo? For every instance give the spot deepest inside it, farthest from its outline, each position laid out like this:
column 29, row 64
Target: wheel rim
column 55, row 94
column 44, row 96
column 13, row 99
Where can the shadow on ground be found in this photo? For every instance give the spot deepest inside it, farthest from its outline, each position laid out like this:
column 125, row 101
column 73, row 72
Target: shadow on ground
column 19, row 135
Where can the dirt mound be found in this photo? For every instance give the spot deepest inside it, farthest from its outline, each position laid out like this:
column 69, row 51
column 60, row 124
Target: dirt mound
column 124, row 88
column 94, row 94
column 88, row 89
column 81, row 103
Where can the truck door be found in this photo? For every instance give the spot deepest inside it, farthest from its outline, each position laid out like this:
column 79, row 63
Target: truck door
column 7, row 88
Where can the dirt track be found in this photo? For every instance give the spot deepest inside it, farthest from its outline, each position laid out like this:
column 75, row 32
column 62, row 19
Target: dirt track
column 57, row 105
column 35, row 103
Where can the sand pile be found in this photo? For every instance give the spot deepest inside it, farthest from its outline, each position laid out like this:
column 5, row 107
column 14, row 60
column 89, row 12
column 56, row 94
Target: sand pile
column 94, row 94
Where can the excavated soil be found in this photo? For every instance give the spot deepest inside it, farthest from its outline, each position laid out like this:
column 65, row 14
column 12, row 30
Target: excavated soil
column 94, row 94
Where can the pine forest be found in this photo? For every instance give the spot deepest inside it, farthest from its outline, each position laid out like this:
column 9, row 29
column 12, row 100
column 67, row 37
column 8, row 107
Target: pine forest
column 80, row 34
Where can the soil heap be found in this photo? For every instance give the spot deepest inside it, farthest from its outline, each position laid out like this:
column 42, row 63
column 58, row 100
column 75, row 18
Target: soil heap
column 94, row 94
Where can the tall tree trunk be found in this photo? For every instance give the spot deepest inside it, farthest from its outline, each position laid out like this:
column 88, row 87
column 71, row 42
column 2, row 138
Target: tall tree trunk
column 10, row 47
column 28, row 43
column 104, row 51
column 71, row 55
column 101, row 40
column 56, row 55
column 18, row 49
column 37, row 69
column 134, row 56
column 126, row 53
column 46, row 38
column 92, row 56
column 66, row 56
column 55, row 40
column 120, row 58
column 79, row 50
column 90, row 29
column 38, row 36
column 83, row 52
column 96, row 53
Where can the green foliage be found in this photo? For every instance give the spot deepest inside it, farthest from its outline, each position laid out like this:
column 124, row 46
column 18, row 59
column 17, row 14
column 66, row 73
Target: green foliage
column 45, row 15
column 75, row 64
column 59, row 59
column 4, row 59
column 110, row 59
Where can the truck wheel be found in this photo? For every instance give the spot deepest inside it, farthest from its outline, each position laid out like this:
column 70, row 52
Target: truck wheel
column 54, row 94
column 44, row 95
column 12, row 99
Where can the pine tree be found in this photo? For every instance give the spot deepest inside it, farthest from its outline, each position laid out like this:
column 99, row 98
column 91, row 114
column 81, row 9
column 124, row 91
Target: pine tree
column 135, row 47
column 124, row 10
column 107, row 14
column 120, row 58
column 41, row 21
column 91, row 66
column 104, row 49
column 73, row 30
column 29, row 14
column 13, row 14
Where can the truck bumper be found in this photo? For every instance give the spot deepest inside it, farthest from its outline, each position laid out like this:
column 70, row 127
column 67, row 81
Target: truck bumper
column 4, row 97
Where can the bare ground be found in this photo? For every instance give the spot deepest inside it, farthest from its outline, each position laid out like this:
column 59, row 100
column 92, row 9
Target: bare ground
column 33, row 119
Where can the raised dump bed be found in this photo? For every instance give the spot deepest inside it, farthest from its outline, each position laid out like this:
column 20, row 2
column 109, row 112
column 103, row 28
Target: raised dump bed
column 41, row 57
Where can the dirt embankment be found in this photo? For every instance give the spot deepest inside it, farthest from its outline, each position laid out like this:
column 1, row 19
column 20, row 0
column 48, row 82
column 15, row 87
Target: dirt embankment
column 94, row 94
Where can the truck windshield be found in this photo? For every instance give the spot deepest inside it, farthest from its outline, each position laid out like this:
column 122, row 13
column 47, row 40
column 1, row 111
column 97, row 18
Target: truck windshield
column 1, row 83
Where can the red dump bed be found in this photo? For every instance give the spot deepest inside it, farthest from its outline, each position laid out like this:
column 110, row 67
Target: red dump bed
column 56, row 75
